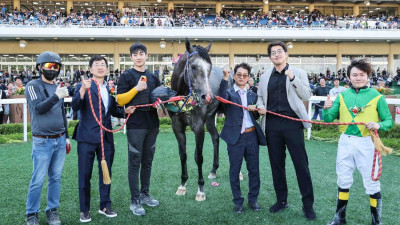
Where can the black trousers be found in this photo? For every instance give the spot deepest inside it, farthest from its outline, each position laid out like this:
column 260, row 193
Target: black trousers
column 86, row 154
column 282, row 133
column 141, row 148
column 248, row 148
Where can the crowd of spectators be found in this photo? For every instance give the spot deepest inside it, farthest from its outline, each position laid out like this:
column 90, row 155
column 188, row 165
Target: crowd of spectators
column 379, row 77
column 157, row 17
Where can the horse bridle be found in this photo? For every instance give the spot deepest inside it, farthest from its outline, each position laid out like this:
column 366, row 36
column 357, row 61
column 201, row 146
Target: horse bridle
column 192, row 94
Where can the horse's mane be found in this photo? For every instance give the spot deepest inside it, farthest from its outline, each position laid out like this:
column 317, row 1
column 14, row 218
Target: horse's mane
column 177, row 80
column 203, row 53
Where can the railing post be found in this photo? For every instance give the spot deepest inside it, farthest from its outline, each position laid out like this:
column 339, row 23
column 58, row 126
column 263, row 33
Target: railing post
column 25, row 122
column 309, row 117
column 124, row 127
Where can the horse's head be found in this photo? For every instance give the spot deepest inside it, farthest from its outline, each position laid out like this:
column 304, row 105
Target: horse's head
column 194, row 68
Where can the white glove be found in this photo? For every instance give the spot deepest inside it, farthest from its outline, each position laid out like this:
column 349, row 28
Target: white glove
column 61, row 92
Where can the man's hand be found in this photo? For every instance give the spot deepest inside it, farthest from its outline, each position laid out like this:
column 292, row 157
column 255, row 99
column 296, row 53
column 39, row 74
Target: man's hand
column 289, row 74
column 157, row 104
column 142, row 85
column 86, row 84
column 61, row 92
column 262, row 111
column 130, row 110
column 328, row 103
column 68, row 146
column 251, row 108
column 372, row 126
column 226, row 74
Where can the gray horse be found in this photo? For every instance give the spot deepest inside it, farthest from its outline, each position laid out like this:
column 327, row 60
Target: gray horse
column 193, row 74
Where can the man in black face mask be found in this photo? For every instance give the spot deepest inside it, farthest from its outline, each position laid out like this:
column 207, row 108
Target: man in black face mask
column 50, row 141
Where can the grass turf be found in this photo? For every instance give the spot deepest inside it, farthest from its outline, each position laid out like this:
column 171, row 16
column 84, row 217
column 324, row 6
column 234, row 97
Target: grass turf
column 16, row 168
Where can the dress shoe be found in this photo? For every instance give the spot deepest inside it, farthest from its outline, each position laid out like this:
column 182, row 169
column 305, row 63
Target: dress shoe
column 238, row 208
column 278, row 206
column 309, row 213
column 254, row 206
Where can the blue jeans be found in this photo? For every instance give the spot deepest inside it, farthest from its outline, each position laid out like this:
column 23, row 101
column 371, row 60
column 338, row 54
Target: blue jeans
column 318, row 111
column 48, row 156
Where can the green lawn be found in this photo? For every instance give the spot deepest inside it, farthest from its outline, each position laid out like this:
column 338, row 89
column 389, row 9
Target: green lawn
column 16, row 168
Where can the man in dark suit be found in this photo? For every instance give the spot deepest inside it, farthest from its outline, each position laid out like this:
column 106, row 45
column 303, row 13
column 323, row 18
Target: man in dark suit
column 242, row 134
column 88, row 136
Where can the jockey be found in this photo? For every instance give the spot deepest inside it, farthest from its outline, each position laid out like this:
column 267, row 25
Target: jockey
column 356, row 149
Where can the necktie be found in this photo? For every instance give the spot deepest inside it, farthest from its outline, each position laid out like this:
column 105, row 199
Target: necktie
column 242, row 98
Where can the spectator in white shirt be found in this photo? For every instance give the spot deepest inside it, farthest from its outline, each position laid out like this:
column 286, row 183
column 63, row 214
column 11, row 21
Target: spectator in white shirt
column 337, row 89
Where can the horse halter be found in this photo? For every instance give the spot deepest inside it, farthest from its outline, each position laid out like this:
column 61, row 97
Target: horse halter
column 192, row 94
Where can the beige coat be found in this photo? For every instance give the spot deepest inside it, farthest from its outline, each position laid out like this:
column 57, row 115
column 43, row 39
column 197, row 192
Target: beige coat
column 297, row 90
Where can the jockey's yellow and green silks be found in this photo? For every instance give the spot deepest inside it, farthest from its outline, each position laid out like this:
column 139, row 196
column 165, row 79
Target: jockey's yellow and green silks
column 372, row 107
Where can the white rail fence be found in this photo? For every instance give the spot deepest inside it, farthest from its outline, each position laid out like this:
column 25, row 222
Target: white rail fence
column 313, row 99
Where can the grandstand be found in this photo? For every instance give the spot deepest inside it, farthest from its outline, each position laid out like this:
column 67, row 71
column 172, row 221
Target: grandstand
column 322, row 35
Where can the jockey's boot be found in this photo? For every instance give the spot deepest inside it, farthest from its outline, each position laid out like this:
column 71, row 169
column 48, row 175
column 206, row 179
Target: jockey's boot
column 375, row 201
column 340, row 216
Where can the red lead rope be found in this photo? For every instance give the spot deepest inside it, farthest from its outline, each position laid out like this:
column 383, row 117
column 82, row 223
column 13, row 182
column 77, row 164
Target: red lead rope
column 376, row 153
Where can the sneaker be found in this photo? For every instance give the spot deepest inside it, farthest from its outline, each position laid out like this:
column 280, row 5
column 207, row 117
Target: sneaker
column 137, row 208
column 85, row 217
column 32, row 219
column 278, row 206
column 238, row 209
column 254, row 206
column 146, row 199
column 107, row 211
column 52, row 217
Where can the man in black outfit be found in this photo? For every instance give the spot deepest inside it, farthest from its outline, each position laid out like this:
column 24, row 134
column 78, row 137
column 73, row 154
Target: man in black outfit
column 134, row 88
column 283, row 89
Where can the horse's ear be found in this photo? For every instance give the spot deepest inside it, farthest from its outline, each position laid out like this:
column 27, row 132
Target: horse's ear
column 188, row 46
column 209, row 47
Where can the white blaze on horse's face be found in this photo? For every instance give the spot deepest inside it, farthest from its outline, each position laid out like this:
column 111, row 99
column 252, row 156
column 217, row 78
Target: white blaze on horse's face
column 202, row 82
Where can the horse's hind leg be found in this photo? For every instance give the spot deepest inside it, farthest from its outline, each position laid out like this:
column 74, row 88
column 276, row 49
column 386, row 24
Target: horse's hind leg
column 179, row 131
column 210, row 124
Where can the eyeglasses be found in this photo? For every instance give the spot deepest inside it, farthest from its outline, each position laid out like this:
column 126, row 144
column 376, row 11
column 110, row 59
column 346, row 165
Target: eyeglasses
column 99, row 65
column 279, row 52
column 51, row 65
column 242, row 75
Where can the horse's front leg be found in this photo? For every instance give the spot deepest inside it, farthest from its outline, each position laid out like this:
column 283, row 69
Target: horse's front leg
column 210, row 124
column 198, row 130
column 179, row 129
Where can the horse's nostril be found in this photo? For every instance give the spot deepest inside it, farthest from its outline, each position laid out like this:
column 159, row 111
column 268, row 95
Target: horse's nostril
column 203, row 97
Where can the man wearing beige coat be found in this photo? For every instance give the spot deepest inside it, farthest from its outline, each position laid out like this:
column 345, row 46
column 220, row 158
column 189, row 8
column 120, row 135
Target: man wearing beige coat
column 282, row 90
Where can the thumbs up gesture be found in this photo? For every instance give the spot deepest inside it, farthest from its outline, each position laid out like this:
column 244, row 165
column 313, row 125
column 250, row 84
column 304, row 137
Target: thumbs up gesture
column 328, row 103
column 85, row 83
column 226, row 74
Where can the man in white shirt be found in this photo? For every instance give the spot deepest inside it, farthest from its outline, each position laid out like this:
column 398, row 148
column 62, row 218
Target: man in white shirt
column 337, row 89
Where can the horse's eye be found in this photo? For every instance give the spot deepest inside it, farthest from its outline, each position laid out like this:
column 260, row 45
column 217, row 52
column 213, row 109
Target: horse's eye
column 194, row 67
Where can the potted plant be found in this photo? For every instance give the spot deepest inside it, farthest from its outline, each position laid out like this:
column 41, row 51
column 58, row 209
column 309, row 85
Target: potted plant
column 17, row 110
column 388, row 93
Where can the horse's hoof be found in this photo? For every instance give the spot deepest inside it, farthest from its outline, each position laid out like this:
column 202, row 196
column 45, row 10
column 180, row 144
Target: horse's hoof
column 200, row 196
column 212, row 176
column 181, row 190
column 240, row 176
